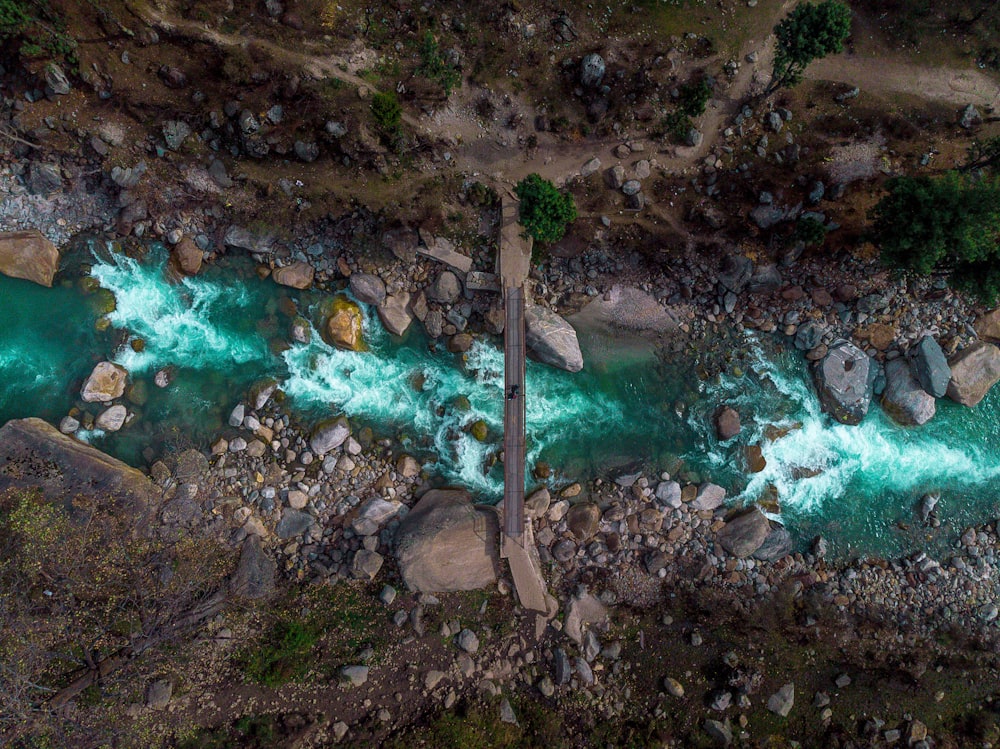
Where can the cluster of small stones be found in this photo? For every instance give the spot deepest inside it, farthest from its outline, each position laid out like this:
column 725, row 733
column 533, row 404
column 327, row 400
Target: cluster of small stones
column 265, row 480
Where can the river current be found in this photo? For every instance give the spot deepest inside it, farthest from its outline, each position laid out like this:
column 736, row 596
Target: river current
column 633, row 406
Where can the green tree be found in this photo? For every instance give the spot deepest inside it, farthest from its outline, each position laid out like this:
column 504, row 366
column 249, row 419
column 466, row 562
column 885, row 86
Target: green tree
column 545, row 211
column 810, row 32
column 946, row 224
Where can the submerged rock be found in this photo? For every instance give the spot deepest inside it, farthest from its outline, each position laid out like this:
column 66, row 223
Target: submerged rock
column 28, row 255
column 845, row 379
column 904, row 399
column 343, row 325
column 552, row 339
column 446, row 543
column 973, row 372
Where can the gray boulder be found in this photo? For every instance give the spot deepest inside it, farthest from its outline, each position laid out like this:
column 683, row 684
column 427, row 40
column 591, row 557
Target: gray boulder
column 969, row 117
column 445, row 289
column 777, row 545
column 446, row 543
column 44, row 179
column 175, row 132
column 845, row 379
column 293, row 523
column 56, row 80
column 367, row 288
column 735, row 273
column 552, row 339
column 903, row 399
column 745, row 534
column 254, row 576
column 973, row 372
column 394, row 313
column 930, row 366
column 329, row 434
column 781, row 702
column 709, row 497
column 766, row 279
column 592, row 69
column 308, row 151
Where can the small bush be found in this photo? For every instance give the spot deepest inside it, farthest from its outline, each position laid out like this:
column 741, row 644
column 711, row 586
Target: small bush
column 810, row 231
column 387, row 112
column 694, row 97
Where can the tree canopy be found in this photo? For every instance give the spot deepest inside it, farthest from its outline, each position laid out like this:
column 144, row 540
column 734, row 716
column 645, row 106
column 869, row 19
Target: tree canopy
column 545, row 211
column 808, row 33
column 945, row 224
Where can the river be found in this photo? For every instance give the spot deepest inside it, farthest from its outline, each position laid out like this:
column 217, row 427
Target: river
column 632, row 406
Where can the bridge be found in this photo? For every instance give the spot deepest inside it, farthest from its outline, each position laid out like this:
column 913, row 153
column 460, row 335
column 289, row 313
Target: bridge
column 518, row 542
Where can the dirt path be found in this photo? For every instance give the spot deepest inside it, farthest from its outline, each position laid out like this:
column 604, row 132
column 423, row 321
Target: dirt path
column 958, row 86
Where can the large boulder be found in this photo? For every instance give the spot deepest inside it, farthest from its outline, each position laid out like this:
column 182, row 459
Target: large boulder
column 343, row 325
column 930, row 367
column 845, row 379
column 105, row 383
column 28, row 255
column 394, row 313
column 297, row 275
column 744, row 534
column 973, row 372
column 35, row 455
column 735, row 273
column 988, row 326
column 187, row 256
column 551, row 339
column 254, row 576
column 446, row 543
column 329, row 434
column 445, row 289
column 367, row 288
column 904, row 399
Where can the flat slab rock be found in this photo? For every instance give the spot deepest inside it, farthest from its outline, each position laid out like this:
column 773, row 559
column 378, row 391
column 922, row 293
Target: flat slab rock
column 34, row 454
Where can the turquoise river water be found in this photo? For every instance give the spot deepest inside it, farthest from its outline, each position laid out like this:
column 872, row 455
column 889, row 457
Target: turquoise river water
column 631, row 406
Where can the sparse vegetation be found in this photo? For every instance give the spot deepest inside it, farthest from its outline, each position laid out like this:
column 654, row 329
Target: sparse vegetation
column 283, row 656
column 40, row 29
column 691, row 102
column 434, row 67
